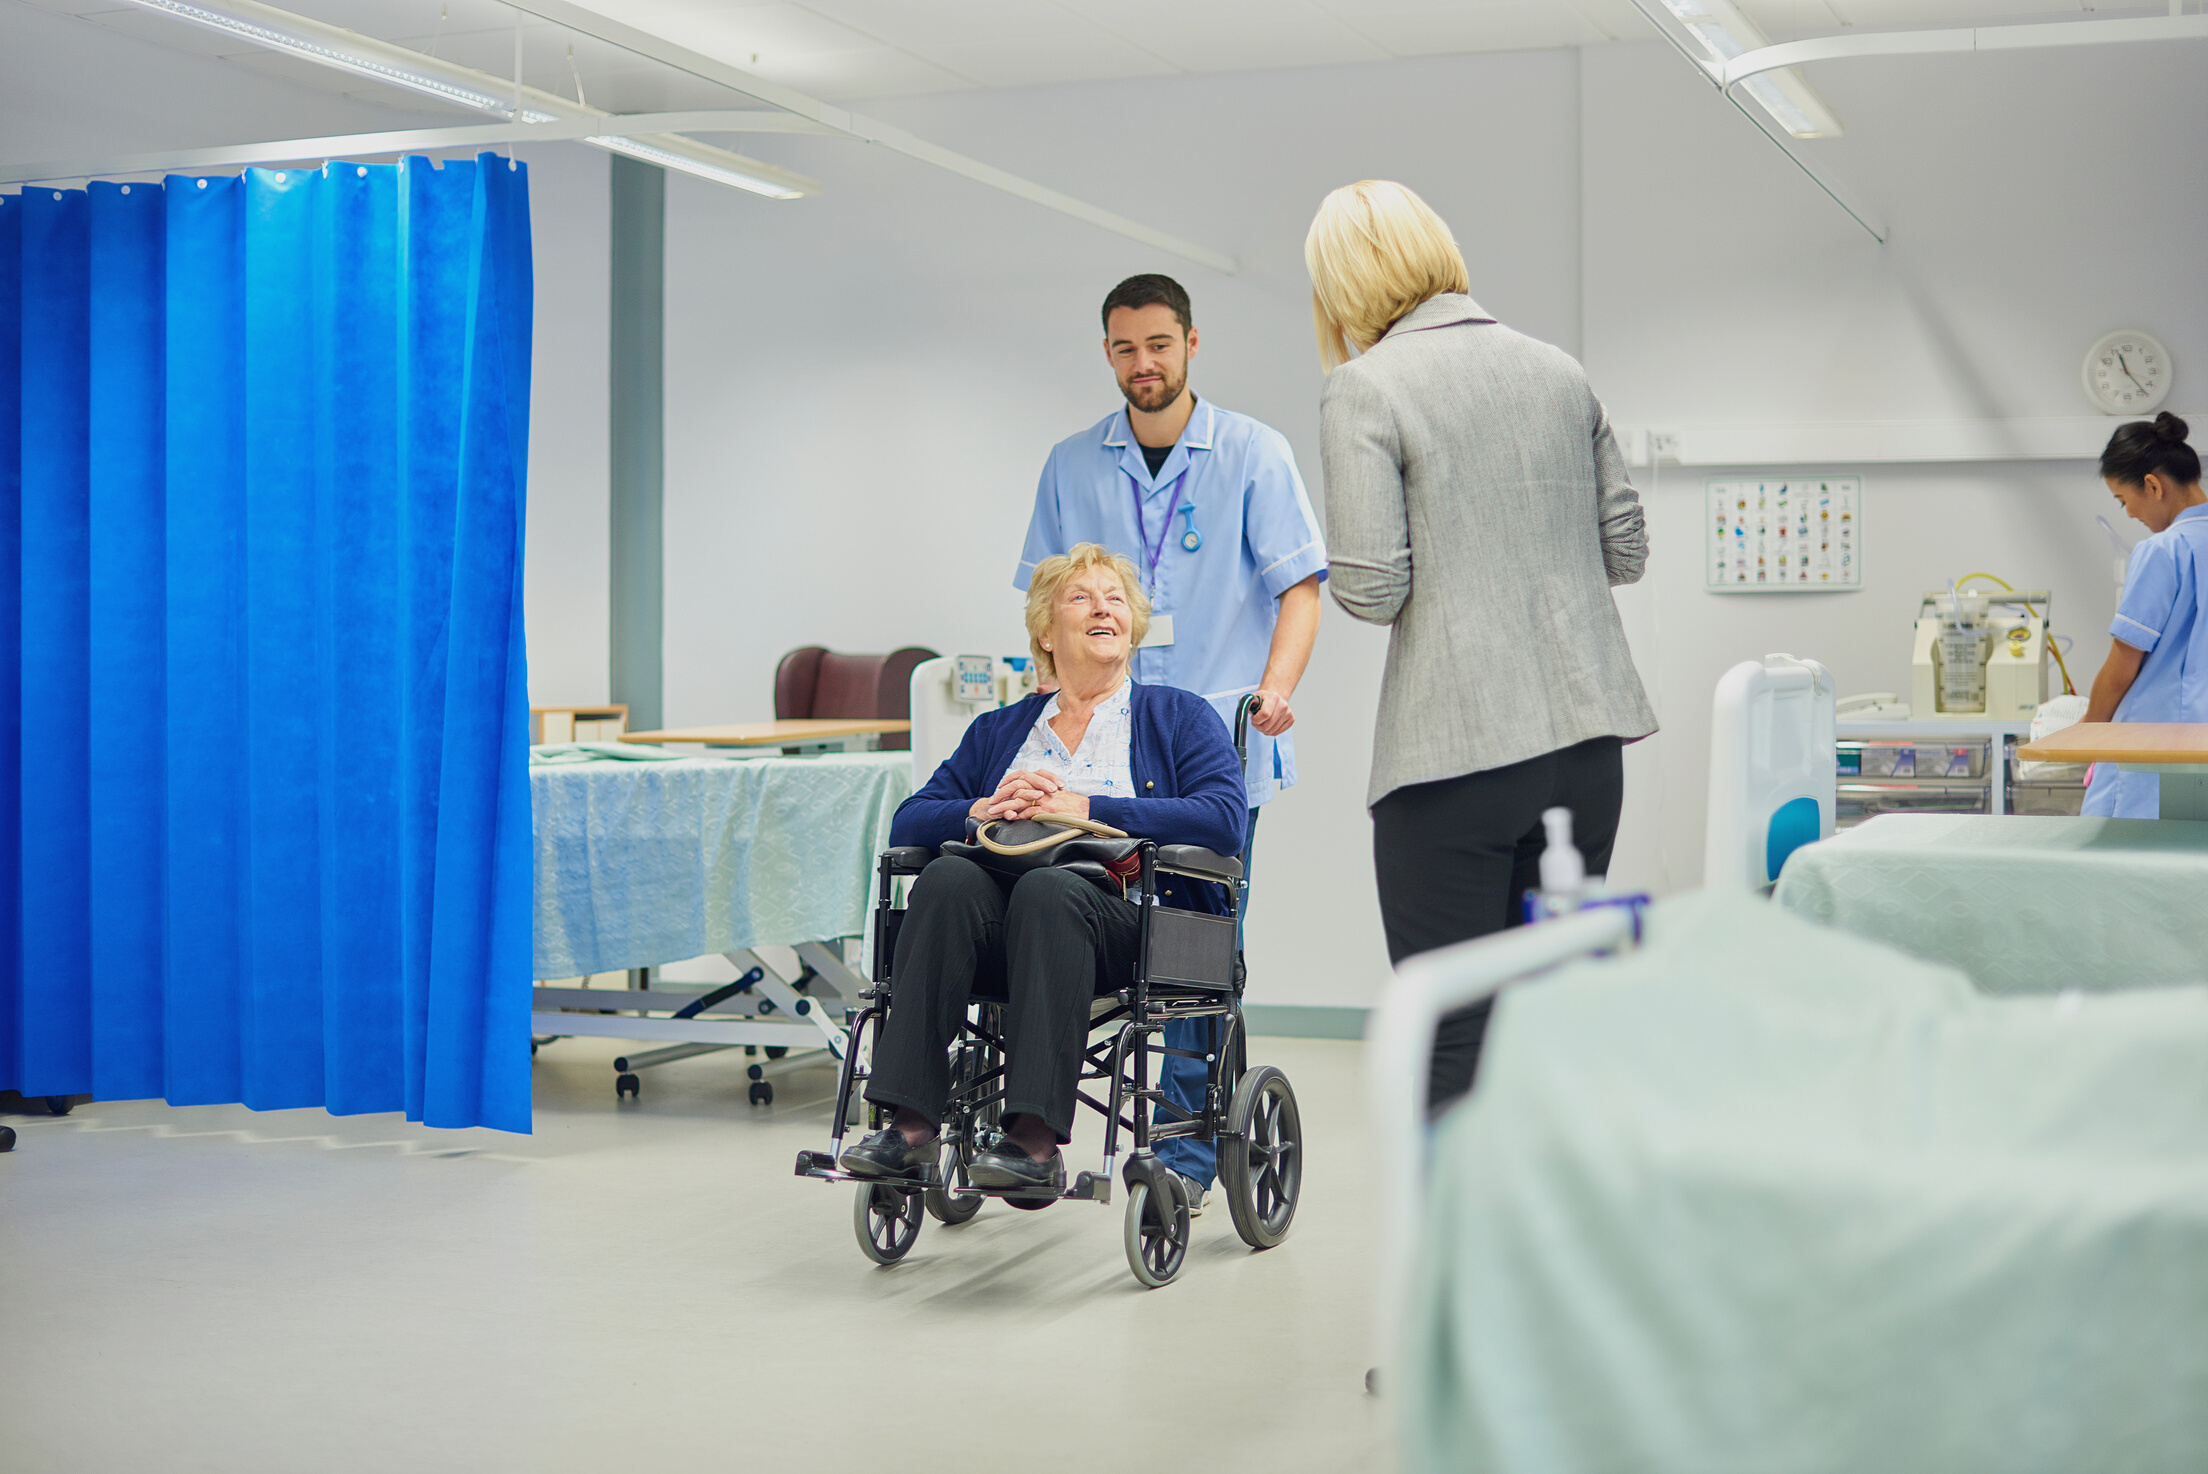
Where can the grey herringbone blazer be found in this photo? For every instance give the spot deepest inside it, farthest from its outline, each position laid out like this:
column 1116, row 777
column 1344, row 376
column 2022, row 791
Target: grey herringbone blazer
column 1476, row 502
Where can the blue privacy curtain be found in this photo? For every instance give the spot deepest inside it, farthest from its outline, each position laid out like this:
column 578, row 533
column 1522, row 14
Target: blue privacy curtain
column 264, row 826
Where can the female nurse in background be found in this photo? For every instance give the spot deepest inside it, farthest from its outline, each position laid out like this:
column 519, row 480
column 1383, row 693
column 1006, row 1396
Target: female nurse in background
column 2157, row 666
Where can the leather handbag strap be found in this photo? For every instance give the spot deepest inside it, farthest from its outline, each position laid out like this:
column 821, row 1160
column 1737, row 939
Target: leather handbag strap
column 1029, row 836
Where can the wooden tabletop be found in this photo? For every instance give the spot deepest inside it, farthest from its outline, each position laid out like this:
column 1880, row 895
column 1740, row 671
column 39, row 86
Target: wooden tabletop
column 2122, row 742
column 772, row 734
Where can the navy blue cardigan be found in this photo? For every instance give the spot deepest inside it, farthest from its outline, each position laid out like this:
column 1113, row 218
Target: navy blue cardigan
column 1189, row 787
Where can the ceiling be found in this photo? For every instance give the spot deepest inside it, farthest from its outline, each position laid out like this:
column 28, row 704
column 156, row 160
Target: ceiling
column 846, row 50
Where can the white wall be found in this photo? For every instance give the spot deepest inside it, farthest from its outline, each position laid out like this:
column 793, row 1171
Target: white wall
column 862, row 387
column 565, row 582
column 2026, row 217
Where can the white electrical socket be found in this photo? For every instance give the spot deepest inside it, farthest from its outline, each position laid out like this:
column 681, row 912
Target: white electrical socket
column 1663, row 445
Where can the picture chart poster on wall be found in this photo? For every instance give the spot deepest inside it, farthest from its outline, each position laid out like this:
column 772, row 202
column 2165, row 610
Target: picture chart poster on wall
column 1796, row 536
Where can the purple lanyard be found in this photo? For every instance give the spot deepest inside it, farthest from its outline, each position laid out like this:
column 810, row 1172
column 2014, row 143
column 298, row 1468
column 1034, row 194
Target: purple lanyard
column 1155, row 550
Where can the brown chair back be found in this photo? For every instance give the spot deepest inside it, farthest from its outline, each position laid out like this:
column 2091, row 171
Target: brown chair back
column 813, row 681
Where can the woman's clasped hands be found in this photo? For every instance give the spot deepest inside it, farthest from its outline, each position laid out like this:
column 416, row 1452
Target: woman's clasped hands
column 1029, row 794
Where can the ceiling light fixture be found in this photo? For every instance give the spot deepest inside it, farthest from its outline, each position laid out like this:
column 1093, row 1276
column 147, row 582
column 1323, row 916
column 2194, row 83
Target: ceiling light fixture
column 365, row 56
column 347, row 58
column 1726, row 33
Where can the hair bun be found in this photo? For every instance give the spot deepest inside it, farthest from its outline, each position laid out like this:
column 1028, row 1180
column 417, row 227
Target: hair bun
column 2169, row 429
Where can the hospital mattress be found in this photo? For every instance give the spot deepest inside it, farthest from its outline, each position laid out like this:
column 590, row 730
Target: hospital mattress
column 2021, row 904
column 643, row 863
column 1766, row 1197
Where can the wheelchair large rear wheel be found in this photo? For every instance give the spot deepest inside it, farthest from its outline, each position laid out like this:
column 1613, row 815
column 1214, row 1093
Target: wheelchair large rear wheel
column 1261, row 1164
column 1156, row 1233
column 887, row 1221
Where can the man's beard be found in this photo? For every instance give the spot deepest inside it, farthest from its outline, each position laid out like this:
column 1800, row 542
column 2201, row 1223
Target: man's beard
column 1150, row 401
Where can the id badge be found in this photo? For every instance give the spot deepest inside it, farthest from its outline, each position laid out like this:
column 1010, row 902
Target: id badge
column 1160, row 633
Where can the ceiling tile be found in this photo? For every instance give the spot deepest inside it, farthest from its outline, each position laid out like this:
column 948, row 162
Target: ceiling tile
column 929, row 28
column 1441, row 30
column 848, row 76
column 1041, row 62
column 732, row 31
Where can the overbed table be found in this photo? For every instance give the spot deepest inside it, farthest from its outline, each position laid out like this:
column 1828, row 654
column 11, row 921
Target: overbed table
column 2020, row 903
column 661, row 859
column 790, row 737
column 2176, row 750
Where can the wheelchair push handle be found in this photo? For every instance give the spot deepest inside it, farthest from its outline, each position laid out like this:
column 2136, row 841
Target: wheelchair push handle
column 1242, row 711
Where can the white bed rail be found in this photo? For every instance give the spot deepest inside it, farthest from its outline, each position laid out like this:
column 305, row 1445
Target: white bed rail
column 1399, row 1057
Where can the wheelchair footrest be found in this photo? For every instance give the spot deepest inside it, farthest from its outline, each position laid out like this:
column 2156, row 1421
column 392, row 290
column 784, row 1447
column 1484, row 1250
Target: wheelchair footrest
column 823, row 1166
column 1089, row 1187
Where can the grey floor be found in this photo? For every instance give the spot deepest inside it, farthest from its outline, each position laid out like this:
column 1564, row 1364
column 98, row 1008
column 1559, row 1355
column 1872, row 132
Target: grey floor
column 643, row 1288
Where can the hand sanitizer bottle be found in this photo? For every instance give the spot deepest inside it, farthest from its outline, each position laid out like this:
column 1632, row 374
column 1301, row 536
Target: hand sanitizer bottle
column 1564, row 884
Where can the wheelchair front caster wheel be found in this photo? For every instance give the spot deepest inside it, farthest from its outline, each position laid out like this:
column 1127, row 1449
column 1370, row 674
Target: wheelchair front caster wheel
column 887, row 1221
column 762, row 1092
column 59, row 1105
column 1156, row 1233
column 1261, row 1165
column 626, row 1085
column 953, row 1200
column 7, row 1138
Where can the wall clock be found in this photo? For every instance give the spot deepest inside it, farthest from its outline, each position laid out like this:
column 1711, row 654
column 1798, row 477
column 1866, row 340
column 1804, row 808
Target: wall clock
column 2127, row 373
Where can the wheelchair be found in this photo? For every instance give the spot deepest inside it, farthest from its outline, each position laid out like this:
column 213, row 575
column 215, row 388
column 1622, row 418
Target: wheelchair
column 1188, row 965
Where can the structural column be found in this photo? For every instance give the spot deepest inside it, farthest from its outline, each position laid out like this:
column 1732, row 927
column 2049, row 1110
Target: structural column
column 637, row 440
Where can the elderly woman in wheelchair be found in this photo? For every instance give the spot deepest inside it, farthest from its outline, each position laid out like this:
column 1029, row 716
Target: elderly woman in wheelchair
column 1136, row 908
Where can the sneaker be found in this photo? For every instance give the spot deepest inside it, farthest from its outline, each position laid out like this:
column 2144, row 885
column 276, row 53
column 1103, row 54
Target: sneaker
column 1194, row 1191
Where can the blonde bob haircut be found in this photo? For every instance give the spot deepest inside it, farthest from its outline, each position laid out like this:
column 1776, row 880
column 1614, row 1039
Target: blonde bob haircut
column 1375, row 251
column 1050, row 580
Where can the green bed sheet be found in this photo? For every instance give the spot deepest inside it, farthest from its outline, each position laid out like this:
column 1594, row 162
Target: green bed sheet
column 1764, row 1196
column 2021, row 904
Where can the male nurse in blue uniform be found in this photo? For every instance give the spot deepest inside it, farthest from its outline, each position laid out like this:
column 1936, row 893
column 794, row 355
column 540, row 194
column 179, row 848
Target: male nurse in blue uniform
column 1208, row 505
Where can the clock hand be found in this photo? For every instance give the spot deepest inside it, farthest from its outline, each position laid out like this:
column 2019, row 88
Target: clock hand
column 2126, row 365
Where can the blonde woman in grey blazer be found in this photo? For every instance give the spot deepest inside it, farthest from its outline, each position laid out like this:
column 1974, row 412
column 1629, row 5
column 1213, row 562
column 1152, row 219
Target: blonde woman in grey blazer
column 1476, row 504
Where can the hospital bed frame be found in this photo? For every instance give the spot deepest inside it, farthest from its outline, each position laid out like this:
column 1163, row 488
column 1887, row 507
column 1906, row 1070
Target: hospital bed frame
column 1399, row 1060
column 786, row 1018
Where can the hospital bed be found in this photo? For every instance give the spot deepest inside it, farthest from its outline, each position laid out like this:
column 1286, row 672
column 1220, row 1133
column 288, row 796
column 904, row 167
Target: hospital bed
column 2019, row 903
column 1756, row 1194
column 645, row 859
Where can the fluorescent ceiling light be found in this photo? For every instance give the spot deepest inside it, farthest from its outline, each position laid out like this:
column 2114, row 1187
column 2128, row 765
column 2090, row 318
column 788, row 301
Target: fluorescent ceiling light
column 1726, row 33
column 667, row 158
column 365, row 56
column 347, row 58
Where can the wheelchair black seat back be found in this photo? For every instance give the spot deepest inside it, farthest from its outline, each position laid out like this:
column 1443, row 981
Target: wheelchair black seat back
column 1188, row 965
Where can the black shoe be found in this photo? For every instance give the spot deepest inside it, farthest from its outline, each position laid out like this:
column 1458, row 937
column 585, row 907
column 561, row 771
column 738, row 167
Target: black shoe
column 887, row 1154
column 1007, row 1165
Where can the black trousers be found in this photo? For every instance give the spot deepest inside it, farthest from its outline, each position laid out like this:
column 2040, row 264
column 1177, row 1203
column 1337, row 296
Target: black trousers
column 1456, row 858
column 1046, row 945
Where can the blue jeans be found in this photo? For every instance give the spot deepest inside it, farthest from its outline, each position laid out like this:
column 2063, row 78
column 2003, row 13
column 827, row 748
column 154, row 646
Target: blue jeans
column 1183, row 1080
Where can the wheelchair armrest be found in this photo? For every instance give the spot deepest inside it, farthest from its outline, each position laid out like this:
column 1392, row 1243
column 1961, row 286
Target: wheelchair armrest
column 1193, row 859
column 908, row 859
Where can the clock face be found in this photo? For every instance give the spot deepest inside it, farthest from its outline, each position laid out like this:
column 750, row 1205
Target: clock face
column 2127, row 373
